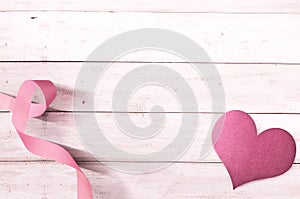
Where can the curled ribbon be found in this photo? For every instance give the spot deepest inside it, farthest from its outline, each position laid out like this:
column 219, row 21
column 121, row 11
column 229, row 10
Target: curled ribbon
column 22, row 109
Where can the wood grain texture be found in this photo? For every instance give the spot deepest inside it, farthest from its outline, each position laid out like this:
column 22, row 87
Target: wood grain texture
column 255, row 45
column 254, row 88
column 72, row 36
column 181, row 180
column 62, row 129
column 224, row 6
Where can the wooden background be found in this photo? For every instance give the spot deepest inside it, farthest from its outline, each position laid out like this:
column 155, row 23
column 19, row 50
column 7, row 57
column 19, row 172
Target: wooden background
column 254, row 44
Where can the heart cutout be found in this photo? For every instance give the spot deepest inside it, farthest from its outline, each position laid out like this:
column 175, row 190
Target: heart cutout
column 248, row 156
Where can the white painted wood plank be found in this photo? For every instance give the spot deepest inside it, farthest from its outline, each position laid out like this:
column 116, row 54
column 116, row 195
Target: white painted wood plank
column 61, row 128
column 263, row 6
column 226, row 38
column 36, row 180
column 254, row 88
column 52, row 180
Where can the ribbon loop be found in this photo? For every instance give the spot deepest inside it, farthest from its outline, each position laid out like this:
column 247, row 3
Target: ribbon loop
column 22, row 108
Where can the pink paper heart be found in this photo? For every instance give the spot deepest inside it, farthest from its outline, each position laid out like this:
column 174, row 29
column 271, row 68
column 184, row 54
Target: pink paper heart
column 248, row 156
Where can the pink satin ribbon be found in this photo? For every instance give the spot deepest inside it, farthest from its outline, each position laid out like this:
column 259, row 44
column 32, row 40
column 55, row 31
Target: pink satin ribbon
column 22, row 109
